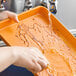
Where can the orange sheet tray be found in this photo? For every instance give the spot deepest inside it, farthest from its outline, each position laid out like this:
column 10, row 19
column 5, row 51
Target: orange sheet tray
column 57, row 44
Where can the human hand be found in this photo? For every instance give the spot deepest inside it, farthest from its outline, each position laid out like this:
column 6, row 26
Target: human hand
column 8, row 14
column 30, row 58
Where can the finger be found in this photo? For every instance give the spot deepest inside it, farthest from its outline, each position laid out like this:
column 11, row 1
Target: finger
column 37, row 53
column 44, row 59
column 49, row 73
column 42, row 63
column 12, row 16
column 41, row 56
column 37, row 68
column 36, row 50
column 16, row 18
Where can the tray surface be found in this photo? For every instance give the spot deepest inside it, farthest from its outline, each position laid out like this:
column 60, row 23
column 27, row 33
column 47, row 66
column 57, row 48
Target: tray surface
column 33, row 31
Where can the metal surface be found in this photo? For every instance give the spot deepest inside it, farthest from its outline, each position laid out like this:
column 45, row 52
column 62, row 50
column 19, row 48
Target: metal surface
column 28, row 5
column 73, row 31
column 2, row 44
column 52, row 5
column 66, row 13
column 19, row 6
column 1, row 6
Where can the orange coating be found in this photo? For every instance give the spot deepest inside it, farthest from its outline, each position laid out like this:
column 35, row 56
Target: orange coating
column 58, row 46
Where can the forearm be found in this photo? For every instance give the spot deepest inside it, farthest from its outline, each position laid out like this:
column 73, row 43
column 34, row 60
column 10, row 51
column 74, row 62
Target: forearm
column 6, row 58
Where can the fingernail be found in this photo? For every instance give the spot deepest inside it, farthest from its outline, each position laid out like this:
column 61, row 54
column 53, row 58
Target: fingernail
column 17, row 20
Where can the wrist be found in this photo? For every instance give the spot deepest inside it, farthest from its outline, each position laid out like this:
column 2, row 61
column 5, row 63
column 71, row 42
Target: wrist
column 8, row 57
column 15, row 53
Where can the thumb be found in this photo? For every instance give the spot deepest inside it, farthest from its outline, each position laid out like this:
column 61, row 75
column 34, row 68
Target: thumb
column 12, row 16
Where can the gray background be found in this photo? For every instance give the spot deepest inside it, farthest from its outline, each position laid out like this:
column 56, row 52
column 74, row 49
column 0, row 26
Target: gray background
column 66, row 13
